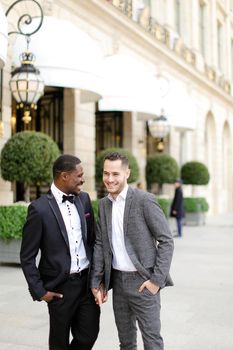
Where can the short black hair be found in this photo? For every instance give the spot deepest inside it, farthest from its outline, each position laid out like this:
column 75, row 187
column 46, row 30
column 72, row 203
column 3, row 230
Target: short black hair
column 117, row 156
column 65, row 162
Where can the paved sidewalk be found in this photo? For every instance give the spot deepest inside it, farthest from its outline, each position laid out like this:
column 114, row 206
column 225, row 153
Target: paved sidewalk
column 197, row 313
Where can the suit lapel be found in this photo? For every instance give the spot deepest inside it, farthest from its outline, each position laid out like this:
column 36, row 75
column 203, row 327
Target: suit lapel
column 128, row 202
column 54, row 206
column 108, row 210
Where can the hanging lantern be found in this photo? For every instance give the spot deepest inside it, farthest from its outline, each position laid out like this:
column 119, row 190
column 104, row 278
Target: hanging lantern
column 159, row 127
column 26, row 85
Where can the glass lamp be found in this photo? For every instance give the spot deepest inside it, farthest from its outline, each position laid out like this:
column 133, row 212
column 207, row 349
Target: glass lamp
column 26, row 85
column 159, row 128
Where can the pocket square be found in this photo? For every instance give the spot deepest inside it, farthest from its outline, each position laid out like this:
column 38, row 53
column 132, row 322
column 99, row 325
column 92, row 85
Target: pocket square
column 87, row 215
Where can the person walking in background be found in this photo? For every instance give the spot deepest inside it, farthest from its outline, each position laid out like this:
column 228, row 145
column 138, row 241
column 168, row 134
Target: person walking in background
column 132, row 254
column 177, row 207
column 61, row 225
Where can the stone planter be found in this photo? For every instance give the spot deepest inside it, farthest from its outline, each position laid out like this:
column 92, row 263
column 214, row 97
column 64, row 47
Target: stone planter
column 9, row 251
column 195, row 219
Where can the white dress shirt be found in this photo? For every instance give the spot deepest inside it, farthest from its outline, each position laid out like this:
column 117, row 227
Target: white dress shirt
column 72, row 222
column 121, row 260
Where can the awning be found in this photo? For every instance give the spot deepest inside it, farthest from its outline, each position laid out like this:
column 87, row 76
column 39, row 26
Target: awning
column 128, row 85
column 65, row 55
column 179, row 107
column 3, row 37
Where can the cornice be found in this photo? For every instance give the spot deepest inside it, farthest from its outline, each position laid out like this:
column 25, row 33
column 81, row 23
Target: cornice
column 113, row 22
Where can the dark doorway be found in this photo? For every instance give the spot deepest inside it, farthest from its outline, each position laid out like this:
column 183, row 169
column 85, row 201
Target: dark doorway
column 109, row 130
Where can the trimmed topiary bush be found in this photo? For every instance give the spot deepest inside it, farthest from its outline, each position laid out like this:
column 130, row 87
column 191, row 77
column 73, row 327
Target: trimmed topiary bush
column 12, row 219
column 195, row 173
column 27, row 157
column 195, row 205
column 133, row 165
column 161, row 169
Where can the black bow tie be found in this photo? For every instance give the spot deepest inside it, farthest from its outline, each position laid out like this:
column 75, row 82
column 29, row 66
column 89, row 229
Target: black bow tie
column 69, row 198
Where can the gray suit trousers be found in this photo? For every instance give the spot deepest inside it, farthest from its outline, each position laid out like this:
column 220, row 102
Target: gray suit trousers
column 129, row 306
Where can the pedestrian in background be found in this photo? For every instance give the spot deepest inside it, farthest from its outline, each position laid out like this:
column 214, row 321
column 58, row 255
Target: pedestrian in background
column 132, row 254
column 177, row 206
column 61, row 225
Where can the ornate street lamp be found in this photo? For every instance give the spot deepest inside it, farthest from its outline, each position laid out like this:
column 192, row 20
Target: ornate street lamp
column 26, row 84
column 159, row 129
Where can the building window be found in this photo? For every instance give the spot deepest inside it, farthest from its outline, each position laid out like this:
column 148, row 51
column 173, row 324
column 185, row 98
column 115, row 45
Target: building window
column 50, row 110
column 109, row 130
column 219, row 45
column 178, row 16
column 202, row 28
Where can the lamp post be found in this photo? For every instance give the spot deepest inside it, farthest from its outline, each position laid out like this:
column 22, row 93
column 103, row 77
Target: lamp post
column 26, row 84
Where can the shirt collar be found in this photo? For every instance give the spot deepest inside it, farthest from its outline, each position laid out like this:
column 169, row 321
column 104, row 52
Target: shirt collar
column 57, row 193
column 121, row 195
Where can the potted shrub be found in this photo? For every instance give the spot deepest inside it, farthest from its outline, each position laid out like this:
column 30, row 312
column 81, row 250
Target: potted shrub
column 195, row 173
column 133, row 165
column 195, row 209
column 12, row 219
column 161, row 169
column 27, row 157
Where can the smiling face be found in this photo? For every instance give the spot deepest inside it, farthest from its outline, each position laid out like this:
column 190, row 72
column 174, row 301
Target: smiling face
column 115, row 176
column 71, row 181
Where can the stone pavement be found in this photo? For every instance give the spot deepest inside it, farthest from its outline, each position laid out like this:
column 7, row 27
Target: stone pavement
column 197, row 313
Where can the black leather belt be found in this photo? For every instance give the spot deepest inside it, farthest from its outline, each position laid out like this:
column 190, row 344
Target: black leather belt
column 79, row 274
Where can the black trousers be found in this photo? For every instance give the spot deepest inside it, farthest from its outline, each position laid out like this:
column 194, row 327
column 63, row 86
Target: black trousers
column 74, row 316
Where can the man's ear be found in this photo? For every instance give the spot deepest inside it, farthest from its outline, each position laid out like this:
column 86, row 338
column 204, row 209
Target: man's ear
column 128, row 173
column 64, row 175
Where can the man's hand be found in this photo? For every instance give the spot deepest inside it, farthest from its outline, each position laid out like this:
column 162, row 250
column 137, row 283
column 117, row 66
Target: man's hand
column 153, row 288
column 49, row 296
column 100, row 294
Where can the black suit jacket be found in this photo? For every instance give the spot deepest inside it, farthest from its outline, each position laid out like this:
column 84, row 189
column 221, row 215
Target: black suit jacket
column 45, row 230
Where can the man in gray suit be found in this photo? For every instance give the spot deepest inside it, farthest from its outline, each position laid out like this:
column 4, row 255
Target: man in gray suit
column 132, row 254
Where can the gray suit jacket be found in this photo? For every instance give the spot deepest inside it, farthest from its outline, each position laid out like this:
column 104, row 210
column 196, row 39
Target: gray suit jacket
column 148, row 240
